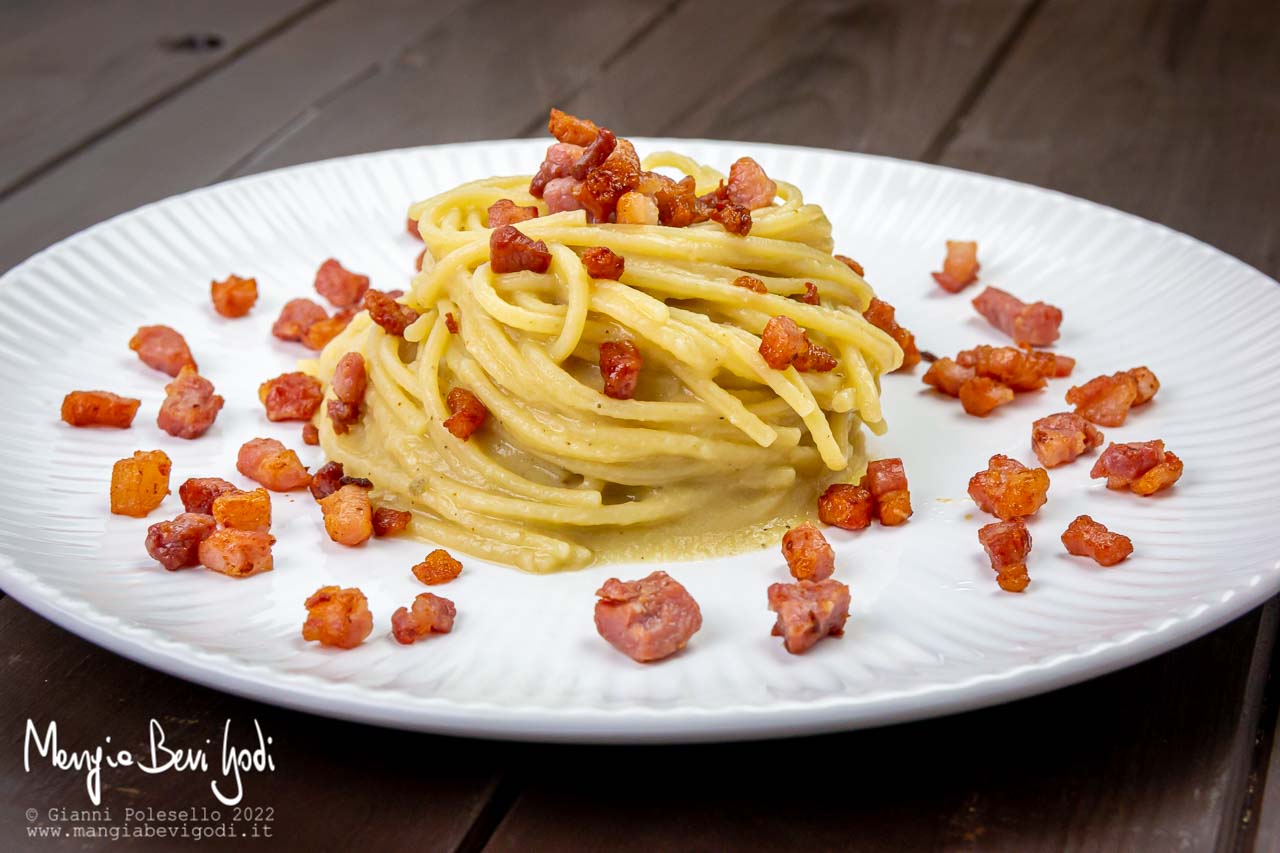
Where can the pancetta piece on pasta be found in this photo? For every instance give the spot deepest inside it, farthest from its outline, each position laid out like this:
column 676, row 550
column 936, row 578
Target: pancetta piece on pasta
column 511, row 251
column 330, row 477
column 391, row 315
column 468, row 413
column 620, row 364
column 349, row 383
column 504, row 211
column 636, row 208
column 784, row 344
column 602, row 190
column 555, row 166
column 388, row 521
column 571, row 129
column 882, row 315
column 810, row 295
column 749, row 186
column 603, row 263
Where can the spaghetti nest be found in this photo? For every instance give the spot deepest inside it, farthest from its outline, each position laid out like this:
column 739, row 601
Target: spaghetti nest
column 715, row 451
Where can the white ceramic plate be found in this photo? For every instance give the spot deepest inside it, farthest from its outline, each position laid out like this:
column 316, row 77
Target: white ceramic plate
column 930, row 633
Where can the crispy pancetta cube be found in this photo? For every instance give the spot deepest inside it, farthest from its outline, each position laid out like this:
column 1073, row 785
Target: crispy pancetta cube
column 438, row 567
column 1061, row 438
column 429, row 614
column 291, row 397
column 348, row 515
column 244, row 510
column 1007, row 544
column 234, row 296
column 1008, row 489
column 140, row 482
column 846, row 506
column 808, row 611
column 1085, row 537
column 175, row 544
column 337, row 617
column 237, row 553
column 807, row 553
column 99, row 408
column 271, row 464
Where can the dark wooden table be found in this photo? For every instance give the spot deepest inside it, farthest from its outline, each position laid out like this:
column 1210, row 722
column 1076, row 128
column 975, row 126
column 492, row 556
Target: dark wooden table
column 1170, row 110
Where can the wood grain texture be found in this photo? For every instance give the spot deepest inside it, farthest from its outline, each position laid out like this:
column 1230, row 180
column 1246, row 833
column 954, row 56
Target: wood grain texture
column 870, row 76
column 72, row 70
column 200, row 137
column 1132, row 761
column 1170, row 110
column 432, row 91
column 1259, row 824
column 336, row 786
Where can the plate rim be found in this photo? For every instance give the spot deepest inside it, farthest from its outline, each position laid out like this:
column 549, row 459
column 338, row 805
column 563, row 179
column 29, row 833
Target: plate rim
column 678, row 724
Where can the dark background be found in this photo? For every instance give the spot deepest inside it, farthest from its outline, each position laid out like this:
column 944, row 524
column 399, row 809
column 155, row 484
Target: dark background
column 1170, row 110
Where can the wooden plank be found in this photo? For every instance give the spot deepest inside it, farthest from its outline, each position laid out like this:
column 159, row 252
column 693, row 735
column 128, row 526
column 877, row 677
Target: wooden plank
column 432, row 92
column 1167, row 110
column 868, row 76
column 336, row 786
column 872, row 77
column 190, row 141
column 425, row 89
column 1132, row 761
column 72, row 70
column 1259, row 827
